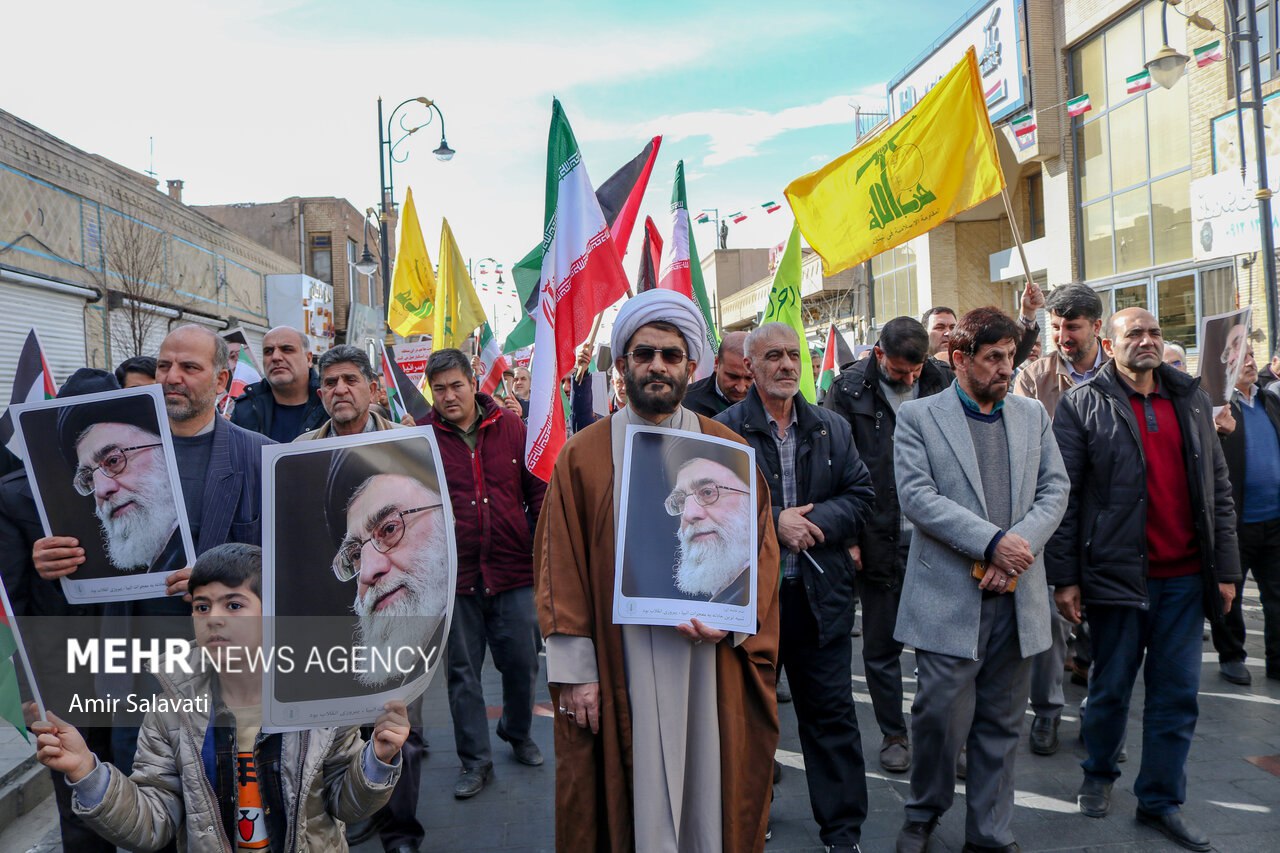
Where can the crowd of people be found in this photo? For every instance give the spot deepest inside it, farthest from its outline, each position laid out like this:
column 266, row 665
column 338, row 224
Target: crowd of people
column 1014, row 518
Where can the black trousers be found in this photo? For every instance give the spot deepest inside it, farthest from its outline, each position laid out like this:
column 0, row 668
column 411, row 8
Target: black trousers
column 1260, row 554
column 822, row 693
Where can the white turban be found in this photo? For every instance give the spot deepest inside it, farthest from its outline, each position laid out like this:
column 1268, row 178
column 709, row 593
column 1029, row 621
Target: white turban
column 662, row 306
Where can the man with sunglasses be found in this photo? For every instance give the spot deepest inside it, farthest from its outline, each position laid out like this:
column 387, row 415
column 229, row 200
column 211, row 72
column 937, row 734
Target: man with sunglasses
column 664, row 736
column 495, row 502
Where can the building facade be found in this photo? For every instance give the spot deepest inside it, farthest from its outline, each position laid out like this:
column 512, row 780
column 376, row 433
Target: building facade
column 101, row 264
column 326, row 236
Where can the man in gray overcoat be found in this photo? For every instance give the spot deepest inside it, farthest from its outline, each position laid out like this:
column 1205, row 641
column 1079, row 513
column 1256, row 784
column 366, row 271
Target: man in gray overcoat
column 981, row 478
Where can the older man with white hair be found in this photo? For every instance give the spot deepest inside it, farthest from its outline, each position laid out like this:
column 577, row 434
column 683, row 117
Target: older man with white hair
column 664, row 736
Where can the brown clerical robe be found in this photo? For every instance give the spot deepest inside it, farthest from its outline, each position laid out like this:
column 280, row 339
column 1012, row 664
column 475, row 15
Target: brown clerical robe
column 574, row 575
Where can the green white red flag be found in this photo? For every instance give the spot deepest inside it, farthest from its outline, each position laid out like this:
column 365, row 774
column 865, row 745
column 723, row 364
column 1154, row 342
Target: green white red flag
column 492, row 361
column 827, row 375
column 32, row 381
column 682, row 269
column 1079, row 106
column 10, row 646
column 1023, row 125
column 581, row 276
column 402, row 395
column 1208, row 53
column 1139, row 82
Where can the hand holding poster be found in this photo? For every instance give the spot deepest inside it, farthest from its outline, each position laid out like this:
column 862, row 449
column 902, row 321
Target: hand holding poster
column 1224, row 341
column 357, row 608
column 102, row 472
column 687, row 532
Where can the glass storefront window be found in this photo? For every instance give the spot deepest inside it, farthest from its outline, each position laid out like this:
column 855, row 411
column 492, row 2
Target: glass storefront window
column 1176, row 298
column 1090, row 74
column 894, row 274
column 1124, row 56
column 1171, row 218
column 1131, row 296
column 1133, row 231
column 1217, row 291
column 1169, row 120
column 1097, row 240
column 1093, row 160
column 1128, row 154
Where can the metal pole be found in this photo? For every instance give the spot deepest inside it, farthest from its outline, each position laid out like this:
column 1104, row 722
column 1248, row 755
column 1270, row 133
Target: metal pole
column 385, row 211
column 1264, row 193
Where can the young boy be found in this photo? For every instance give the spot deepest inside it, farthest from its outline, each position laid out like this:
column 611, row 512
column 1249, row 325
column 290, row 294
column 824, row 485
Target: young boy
column 210, row 777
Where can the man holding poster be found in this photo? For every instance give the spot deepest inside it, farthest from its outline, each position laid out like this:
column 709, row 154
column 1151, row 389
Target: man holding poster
column 664, row 736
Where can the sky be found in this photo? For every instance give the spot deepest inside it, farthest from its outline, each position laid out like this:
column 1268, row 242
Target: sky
column 259, row 100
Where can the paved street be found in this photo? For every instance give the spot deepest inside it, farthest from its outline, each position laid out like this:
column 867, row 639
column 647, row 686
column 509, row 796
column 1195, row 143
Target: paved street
column 1235, row 800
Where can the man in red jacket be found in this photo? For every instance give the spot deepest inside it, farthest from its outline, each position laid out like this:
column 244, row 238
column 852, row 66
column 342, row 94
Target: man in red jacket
column 496, row 502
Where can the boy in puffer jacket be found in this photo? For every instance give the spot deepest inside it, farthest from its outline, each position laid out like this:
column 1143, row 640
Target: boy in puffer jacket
column 204, row 773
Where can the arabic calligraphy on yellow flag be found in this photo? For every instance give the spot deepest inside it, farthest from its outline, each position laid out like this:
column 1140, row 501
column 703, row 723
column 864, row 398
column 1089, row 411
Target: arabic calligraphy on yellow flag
column 936, row 161
column 458, row 311
column 413, row 284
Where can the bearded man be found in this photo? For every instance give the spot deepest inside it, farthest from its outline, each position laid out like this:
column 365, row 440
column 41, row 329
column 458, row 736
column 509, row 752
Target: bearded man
column 821, row 500
column 665, row 736
column 716, row 518
column 120, row 461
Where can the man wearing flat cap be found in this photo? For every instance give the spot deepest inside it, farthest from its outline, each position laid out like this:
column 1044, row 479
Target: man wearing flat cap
column 119, row 460
column 664, row 736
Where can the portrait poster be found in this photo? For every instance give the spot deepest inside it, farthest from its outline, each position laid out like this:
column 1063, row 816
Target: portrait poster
column 687, row 538
column 102, row 469
column 1224, row 341
column 359, row 571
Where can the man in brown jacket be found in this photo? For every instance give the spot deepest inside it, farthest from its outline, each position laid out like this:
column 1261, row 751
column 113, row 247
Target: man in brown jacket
column 664, row 736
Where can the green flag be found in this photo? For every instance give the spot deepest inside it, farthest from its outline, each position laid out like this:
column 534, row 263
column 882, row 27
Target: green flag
column 784, row 307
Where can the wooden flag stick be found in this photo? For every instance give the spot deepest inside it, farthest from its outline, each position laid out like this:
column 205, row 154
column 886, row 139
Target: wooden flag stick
column 1017, row 234
column 591, row 338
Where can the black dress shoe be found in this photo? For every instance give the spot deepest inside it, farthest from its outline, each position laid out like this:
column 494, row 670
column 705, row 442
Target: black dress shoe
column 471, row 782
column 914, row 836
column 1176, row 830
column 1011, row 847
column 1094, row 798
column 1044, row 735
column 1236, row 672
column 526, row 751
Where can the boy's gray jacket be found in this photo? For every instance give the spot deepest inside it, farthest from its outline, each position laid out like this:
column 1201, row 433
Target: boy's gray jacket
column 169, row 795
column 940, row 489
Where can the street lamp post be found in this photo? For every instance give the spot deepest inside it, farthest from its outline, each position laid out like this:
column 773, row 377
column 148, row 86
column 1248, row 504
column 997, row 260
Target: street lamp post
column 387, row 145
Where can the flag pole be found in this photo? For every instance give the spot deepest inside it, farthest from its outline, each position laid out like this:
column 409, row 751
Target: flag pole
column 591, row 338
column 1017, row 234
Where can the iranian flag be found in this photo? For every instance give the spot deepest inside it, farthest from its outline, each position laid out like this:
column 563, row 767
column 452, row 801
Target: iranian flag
column 1024, row 125
column 827, row 376
column 1079, row 106
column 682, row 269
column 32, row 381
column 1208, row 53
column 492, row 361
column 1139, row 82
column 771, row 207
column 738, row 217
column 10, row 695
column 581, row 276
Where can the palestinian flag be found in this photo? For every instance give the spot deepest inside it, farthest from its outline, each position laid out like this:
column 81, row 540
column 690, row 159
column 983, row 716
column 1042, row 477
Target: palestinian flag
column 1139, row 82
column 1024, row 125
column 10, row 695
column 32, row 381
column 492, row 361
column 1211, row 52
column 737, row 217
column 682, row 268
column 771, row 207
column 650, row 257
column 1079, row 106
column 827, row 375
column 581, row 276
column 619, row 198
column 402, row 395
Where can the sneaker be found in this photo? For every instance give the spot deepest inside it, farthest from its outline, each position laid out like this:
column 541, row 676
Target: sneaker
column 895, row 754
column 471, row 782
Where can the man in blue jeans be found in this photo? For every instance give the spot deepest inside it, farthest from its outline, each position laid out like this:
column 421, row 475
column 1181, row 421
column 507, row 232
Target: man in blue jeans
column 1148, row 549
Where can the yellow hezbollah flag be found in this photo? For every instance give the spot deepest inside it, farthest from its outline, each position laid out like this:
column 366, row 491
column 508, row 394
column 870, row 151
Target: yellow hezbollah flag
column 413, row 284
column 936, row 161
column 458, row 309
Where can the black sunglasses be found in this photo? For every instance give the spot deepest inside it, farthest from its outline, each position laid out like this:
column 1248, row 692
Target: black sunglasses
column 645, row 354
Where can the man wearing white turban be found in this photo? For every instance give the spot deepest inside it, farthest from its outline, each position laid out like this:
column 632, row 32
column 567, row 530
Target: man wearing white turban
column 665, row 736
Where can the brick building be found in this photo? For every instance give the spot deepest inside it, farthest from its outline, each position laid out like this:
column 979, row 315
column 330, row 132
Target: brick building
column 325, row 235
column 102, row 264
